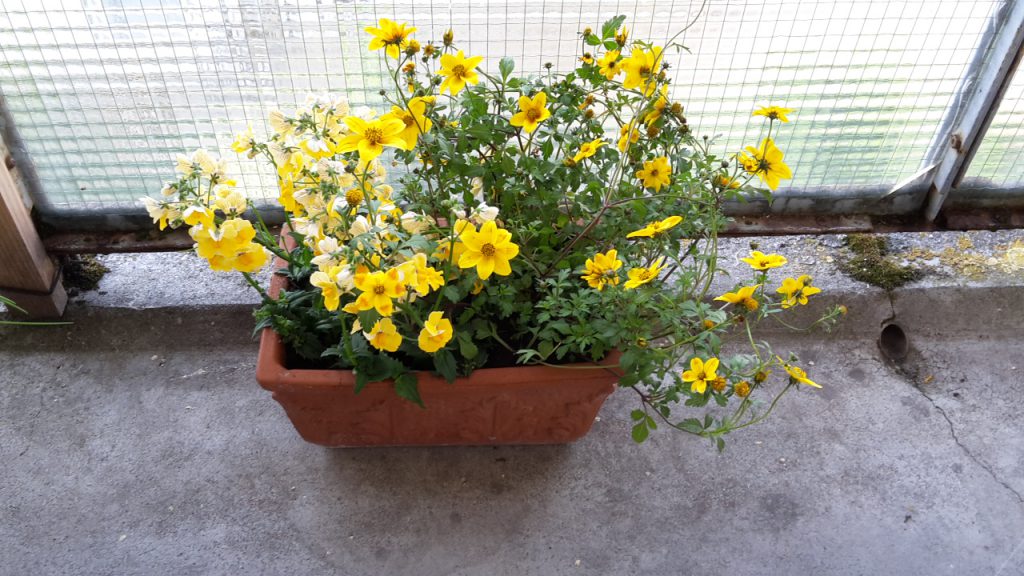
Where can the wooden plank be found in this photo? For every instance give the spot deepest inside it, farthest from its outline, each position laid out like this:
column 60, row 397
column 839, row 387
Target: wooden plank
column 27, row 274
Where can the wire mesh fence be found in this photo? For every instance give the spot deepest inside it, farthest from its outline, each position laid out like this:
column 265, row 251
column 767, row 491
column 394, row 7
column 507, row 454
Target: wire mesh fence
column 999, row 162
column 105, row 93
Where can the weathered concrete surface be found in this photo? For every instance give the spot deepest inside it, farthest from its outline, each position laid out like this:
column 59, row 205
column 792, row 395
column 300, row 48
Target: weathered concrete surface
column 137, row 442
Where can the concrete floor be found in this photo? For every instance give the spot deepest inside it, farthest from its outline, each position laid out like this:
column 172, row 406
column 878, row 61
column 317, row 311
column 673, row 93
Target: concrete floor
column 137, row 442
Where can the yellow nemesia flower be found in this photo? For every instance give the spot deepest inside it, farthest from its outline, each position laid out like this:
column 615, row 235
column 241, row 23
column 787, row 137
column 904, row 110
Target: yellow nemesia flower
column 414, row 120
column 458, row 71
column 774, row 113
column 243, row 141
column 640, row 276
column 656, row 228
column 641, row 68
column 437, row 331
column 378, row 289
column 766, row 162
column 700, row 374
column 759, row 261
column 328, row 288
column 230, row 247
column 797, row 374
column 532, row 111
column 198, row 215
column 424, row 278
column 602, row 270
column 370, row 137
column 252, row 258
column 744, row 296
column 389, row 35
column 609, row 64
column 489, row 250
column 588, row 149
column 384, row 336
column 796, row 290
column 656, row 173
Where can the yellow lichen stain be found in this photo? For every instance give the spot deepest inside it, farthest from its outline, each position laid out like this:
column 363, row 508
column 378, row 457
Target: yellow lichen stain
column 1008, row 259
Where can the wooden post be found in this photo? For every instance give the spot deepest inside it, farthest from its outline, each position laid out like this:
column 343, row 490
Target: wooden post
column 27, row 275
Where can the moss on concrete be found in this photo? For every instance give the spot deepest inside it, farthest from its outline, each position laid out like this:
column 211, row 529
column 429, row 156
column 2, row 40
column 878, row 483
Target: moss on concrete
column 82, row 272
column 871, row 262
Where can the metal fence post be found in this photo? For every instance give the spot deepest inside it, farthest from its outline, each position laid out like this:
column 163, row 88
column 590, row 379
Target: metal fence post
column 997, row 59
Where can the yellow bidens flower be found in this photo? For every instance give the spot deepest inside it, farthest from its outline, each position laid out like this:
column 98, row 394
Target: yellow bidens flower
column 370, row 137
column 656, row 173
column 658, row 108
column 378, row 289
column 389, row 35
column 641, row 68
column 656, row 228
column 384, row 336
column 588, row 149
column 603, row 269
column 796, row 374
column 759, row 261
column 640, row 276
column 766, row 162
column 609, row 64
column 628, row 134
column 774, row 113
column 796, row 290
column 744, row 296
column 437, row 331
column 532, row 111
column 700, row 374
column 488, row 249
column 458, row 71
column 414, row 119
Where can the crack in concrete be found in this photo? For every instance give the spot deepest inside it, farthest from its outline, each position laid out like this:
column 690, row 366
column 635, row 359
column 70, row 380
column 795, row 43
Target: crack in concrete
column 956, row 438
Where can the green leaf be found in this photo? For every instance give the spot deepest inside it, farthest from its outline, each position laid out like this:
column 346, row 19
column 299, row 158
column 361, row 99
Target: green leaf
column 444, row 363
column 361, row 379
column 610, row 27
column 506, row 66
column 466, row 346
column 451, row 293
column 640, row 432
column 592, row 40
column 545, row 348
column 611, row 45
column 721, row 443
column 406, row 386
column 637, row 414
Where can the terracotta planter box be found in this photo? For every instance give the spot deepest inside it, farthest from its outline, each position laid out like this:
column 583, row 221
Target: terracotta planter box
column 517, row 405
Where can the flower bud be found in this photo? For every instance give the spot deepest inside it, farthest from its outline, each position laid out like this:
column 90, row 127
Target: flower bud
column 448, row 37
column 413, row 47
column 718, row 384
column 587, row 31
column 742, row 389
column 761, row 376
column 588, row 113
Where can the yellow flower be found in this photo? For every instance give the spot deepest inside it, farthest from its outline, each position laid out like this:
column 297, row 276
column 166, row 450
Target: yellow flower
column 641, row 68
column 423, row 278
column 774, row 113
column 796, row 290
column 198, row 215
column 741, row 389
column 251, row 258
column 621, row 36
column 588, row 149
column 378, row 289
column 744, row 296
column 389, row 35
column 532, row 111
column 243, row 141
column 797, row 374
column 587, row 58
column 437, row 331
column 766, row 162
column 489, row 250
column 655, row 173
column 602, row 270
column 415, row 121
column 759, row 261
column 700, row 374
column 370, row 137
column 658, row 108
column 328, row 288
column 458, row 71
column 656, row 228
column 230, row 247
column 609, row 64
column 726, row 182
column 628, row 135
column 640, row 276
column 383, row 335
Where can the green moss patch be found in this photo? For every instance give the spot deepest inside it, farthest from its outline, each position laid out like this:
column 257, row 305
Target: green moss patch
column 82, row 272
column 871, row 262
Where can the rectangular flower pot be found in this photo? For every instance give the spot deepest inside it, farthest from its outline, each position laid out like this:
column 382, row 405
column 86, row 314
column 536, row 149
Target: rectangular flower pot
column 515, row 405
